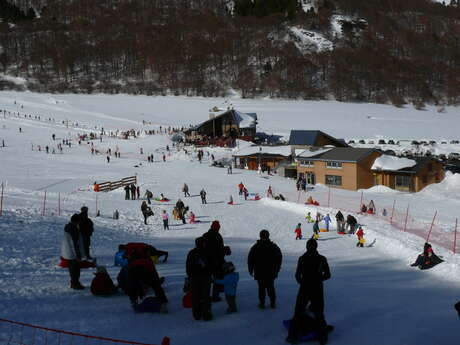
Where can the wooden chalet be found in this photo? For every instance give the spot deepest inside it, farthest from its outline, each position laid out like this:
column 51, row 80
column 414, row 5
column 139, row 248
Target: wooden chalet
column 223, row 129
column 267, row 157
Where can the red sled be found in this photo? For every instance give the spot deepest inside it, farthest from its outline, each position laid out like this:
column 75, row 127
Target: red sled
column 341, row 233
column 83, row 264
column 229, row 203
column 187, row 300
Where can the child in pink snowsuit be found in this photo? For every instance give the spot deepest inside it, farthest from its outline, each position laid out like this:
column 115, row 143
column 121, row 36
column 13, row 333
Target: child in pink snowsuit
column 192, row 218
column 165, row 218
column 298, row 232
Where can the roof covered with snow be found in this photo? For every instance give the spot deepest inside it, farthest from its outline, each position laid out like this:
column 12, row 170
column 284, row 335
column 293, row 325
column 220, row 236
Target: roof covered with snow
column 284, row 150
column 392, row 163
column 312, row 152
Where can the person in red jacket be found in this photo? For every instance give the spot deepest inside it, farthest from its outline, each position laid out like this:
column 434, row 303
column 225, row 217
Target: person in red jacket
column 360, row 234
column 102, row 284
column 298, row 232
column 240, row 188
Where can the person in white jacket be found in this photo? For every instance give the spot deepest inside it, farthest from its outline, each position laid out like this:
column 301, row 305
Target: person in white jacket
column 71, row 250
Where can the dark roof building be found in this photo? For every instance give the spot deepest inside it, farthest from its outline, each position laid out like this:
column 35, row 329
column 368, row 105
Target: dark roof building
column 308, row 138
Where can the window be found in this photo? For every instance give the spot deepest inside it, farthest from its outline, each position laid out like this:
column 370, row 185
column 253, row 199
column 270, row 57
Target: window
column 334, row 165
column 403, row 181
column 306, row 163
column 333, row 180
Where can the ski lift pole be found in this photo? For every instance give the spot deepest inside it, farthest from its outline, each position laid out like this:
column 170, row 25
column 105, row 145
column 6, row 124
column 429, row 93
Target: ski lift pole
column 392, row 211
column 405, row 221
column 1, row 201
column 431, row 226
column 454, row 249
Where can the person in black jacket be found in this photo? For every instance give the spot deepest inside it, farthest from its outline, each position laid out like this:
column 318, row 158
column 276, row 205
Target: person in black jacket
column 215, row 251
column 312, row 270
column 351, row 224
column 86, row 230
column 127, row 190
column 264, row 263
column 199, row 273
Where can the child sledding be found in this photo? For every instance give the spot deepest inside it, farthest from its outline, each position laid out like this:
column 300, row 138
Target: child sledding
column 427, row 259
column 311, row 201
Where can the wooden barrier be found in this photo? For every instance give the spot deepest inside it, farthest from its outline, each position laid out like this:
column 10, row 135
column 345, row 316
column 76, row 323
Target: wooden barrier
column 112, row 185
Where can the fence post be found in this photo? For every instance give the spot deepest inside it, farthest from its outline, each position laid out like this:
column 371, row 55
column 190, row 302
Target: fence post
column 454, row 249
column 407, row 215
column 44, row 204
column 59, row 204
column 431, row 226
column 360, row 202
column 96, row 205
column 392, row 211
column 1, row 202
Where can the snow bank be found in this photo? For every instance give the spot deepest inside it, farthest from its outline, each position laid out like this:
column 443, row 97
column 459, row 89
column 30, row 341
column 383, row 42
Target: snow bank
column 447, row 188
column 380, row 189
column 392, row 163
column 273, row 150
column 15, row 80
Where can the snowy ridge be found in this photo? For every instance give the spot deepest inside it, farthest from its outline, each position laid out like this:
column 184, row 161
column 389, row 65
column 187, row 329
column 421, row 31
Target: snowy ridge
column 307, row 41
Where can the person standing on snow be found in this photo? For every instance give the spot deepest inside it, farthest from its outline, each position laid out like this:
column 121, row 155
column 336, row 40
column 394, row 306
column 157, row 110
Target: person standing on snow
column 315, row 230
column 215, row 252
column 86, row 230
column 203, row 196
column 185, row 190
column 327, row 221
column 165, row 218
column 240, row 188
column 133, row 192
column 264, row 264
column 127, row 190
column 298, row 232
column 312, row 271
column 340, row 222
column 71, row 250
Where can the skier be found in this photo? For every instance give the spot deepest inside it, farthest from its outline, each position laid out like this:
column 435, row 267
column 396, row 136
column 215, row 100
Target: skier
column 312, row 270
column 327, row 221
column 298, row 232
column 264, row 264
column 203, row 196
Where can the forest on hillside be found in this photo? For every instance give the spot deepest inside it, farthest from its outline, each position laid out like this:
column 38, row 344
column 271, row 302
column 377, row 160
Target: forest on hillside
column 389, row 51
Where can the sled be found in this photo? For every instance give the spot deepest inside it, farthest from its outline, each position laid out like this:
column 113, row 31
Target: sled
column 315, row 236
column 187, row 300
column 64, row 263
column 371, row 244
column 341, row 233
column 161, row 200
column 323, row 230
column 312, row 335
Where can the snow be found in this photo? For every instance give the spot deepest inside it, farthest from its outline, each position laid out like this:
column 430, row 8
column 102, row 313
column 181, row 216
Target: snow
column 392, row 163
column 15, row 80
column 312, row 153
column 245, row 120
column 306, row 40
column 274, row 150
column 388, row 301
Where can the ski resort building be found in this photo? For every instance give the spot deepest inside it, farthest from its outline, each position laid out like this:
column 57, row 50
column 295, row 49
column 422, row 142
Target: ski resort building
column 408, row 175
column 267, row 157
column 306, row 139
column 339, row 167
column 223, row 128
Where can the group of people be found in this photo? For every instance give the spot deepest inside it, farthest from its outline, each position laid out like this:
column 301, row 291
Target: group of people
column 132, row 192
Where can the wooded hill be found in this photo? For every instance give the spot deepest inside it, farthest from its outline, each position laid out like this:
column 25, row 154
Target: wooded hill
column 377, row 50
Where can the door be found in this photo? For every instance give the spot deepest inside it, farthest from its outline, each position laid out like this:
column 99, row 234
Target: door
column 311, row 178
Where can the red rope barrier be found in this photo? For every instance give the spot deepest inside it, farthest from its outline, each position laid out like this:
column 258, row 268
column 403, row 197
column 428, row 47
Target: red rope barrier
column 73, row 333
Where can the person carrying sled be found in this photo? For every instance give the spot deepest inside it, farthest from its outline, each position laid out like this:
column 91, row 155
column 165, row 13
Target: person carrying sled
column 86, row 228
column 264, row 264
column 230, row 282
column 427, row 259
column 312, row 270
column 199, row 272
column 71, row 250
column 360, row 234
column 146, row 211
column 298, row 232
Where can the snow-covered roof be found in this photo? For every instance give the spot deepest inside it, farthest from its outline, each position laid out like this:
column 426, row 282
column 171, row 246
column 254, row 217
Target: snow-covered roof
column 245, row 120
column 271, row 150
column 392, row 163
column 311, row 153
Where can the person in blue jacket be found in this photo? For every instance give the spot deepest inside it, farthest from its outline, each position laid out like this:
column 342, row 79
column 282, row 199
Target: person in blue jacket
column 327, row 220
column 230, row 282
column 120, row 258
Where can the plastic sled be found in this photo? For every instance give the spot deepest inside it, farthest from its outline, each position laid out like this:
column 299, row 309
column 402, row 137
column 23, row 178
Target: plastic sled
column 161, row 200
column 323, row 230
column 148, row 305
column 64, row 263
column 309, row 335
column 341, row 233
column 187, row 300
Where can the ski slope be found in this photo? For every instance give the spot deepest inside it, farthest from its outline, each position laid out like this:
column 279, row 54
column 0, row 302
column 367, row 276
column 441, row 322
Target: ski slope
column 373, row 297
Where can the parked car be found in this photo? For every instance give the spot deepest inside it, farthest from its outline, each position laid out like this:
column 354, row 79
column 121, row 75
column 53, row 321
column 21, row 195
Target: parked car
column 351, row 141
column 390, row 152
column 415, row 142
column 442, row 157
column 391, row 142
column 455, row 142
column 443, row 142
column 361, row 141
column 428, row 153
column 371, row 142
column 433, row 142
column 454, row 155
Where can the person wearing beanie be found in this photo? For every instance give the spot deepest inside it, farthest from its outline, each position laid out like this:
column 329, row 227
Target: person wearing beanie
column 102, row 284
column 264, row 264
column 71, row 250
column 86, row 227
column 312, row 270
column 215, row 251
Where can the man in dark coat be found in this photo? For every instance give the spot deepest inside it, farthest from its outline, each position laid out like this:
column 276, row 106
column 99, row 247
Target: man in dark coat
column 180, row 207
column 86, row 230
column 312, row 270
column 351, row 223
column 203, row 196
column 127, row 190
column 264, row 263
column 199, row 272
column 133, row 192
column 215, row 251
